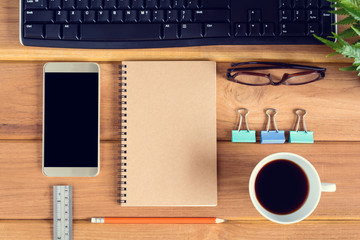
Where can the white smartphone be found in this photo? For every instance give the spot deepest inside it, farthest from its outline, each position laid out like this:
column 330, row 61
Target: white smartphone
column 71, row 123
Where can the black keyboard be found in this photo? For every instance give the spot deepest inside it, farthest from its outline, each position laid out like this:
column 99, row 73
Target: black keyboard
column 172, row 23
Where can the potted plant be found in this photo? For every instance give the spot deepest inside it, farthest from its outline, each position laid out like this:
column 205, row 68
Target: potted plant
column 351, row 11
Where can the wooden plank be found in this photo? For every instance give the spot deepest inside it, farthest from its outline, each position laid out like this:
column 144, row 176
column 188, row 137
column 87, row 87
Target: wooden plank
column 26, row 194
column 41, row 229
column 12, row 50
column 332, row 103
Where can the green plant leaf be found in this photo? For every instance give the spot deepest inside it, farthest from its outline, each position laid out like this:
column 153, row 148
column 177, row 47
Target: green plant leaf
column 348, row 33
column 339, row 11
column 356, row 62
column 350, row 68
column 351, row 9
column 340, row 39
column 332, row 54
column 331, row 44
column 349, row 51
column 346, row 21
column 357, row 31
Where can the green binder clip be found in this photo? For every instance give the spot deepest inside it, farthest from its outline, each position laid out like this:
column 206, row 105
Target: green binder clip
column 274, row 136
column 301, row 136
column 243, row 135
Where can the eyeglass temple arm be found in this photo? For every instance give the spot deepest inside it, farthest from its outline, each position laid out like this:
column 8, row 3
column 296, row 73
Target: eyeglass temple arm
column 279, row 65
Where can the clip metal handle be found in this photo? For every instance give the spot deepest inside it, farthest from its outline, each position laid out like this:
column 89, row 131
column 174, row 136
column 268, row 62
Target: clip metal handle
column 241, row 118
column 269, row 119
column 299, row 119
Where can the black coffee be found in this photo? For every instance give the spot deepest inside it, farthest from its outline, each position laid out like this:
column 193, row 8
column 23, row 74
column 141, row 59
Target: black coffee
column 281, row 187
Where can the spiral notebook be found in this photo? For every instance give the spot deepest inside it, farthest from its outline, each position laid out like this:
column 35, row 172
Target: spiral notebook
column 168, row 134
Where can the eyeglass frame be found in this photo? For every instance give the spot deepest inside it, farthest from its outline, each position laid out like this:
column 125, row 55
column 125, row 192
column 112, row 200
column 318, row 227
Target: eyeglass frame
column 274, row 65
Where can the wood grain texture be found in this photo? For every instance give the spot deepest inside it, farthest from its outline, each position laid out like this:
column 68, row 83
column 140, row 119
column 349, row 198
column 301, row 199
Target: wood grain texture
column 12, row 50
column 25, row 193
column 41, row 229
column 332, row 103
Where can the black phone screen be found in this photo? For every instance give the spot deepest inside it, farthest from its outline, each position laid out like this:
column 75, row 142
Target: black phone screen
column 71, row 119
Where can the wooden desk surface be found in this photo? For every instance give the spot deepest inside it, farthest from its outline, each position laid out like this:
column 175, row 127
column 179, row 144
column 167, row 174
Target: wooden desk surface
column 333, row 106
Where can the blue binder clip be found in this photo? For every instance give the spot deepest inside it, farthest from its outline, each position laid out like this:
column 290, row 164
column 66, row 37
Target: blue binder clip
column 274, row 136
column 301, row 136
column 243, row 135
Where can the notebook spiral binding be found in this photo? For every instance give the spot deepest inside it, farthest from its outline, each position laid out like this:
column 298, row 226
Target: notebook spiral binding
column 122, row 170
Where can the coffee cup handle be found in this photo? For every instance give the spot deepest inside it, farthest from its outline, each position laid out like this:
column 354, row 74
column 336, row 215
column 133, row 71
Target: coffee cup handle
column 328, row 187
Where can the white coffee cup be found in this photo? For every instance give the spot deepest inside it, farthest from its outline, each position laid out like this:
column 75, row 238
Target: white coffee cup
column 312, row 200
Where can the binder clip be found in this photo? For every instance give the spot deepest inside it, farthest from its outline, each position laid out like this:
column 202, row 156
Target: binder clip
column 274, row 136
column 301, row 136
column 243, row 135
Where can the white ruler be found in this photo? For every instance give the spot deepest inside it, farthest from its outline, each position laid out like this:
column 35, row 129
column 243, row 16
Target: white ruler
column 62, row 213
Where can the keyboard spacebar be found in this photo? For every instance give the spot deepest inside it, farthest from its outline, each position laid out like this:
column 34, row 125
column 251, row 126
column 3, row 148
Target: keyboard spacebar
column 118, row 32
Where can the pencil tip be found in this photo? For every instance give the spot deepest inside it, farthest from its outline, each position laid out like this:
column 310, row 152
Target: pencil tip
column 97, row 220
column 219, row 220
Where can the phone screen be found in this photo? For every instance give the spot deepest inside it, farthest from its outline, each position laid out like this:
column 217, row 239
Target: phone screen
column 71, row 119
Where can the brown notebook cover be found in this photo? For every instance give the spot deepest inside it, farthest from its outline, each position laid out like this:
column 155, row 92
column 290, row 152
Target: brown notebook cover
column 169, row 133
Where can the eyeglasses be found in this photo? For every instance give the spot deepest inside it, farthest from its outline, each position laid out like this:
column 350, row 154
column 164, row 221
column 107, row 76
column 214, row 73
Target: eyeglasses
column 242, row 73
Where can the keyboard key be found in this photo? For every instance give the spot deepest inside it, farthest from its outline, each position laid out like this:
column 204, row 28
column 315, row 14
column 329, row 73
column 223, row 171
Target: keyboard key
column 151, row 4
column 325, row 4
column 70, row 32
column 241, row 30
column 82, row 4
column 75, row 16
column 312, row 15
column 34, row 31
column 117, row 16
column 285, row 16
column 178, row 4
column 103, row 16
column 131, row 16
column 172, row 15
column 215, row 4
column 285, row 4
column 36, row 16
column 254, row 15
column 123, row 4
column 137, row 4
column 52, row 31
column 144, row 16
column 39, row 4
column 255, row 29
column 158, row 16
column 192, row 4
column 165, row 4
column 61, row 17
column 96, row 4
column 299, row 15
column 312, row 3
column 292, row 29
column 55, row 4
column 212, row 15
column 185, row 15
column 268, row 29
column 312, row 28
column 299, row 3
column 68, row 4
column 326, row 23
column 89, row 16
column 217, row 30
column 171, row 31
column 119, row 32
column 109, row 4
column 191, row 30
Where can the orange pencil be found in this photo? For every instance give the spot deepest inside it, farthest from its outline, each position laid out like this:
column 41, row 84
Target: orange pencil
column 159, row 220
